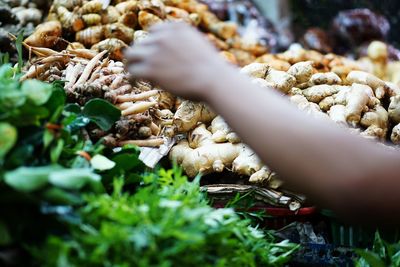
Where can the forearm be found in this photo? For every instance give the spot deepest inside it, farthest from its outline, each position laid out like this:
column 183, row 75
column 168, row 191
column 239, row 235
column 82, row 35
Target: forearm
column 312, row 155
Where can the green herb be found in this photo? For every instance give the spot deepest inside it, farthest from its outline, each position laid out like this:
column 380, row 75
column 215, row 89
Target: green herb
column 167, row 222
column 382, row 254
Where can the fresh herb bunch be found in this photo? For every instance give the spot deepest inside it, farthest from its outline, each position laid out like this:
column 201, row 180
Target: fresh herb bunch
column 167, row 222
column 382, row 254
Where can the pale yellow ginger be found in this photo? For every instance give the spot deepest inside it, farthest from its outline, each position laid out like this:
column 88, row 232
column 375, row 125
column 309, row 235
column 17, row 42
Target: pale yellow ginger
column 318, row 92
column 201, row 155
column 394, row 109
column 392, row 89
column 280, row 80
column 295, row 91
column 393, row 72
column 247, row 163
column 376, row 122
column 357, row 103
column 395, row 136
column 189, row 114
column 372, row 81
column 302, row 71
column 255, row 70
column 329, row 78
column 326, row 103
column 341, row 96
column 221, row 132
column 310, row 108
column 261, row 176
column 378, row 53
column 294, row 55
column 337, row 113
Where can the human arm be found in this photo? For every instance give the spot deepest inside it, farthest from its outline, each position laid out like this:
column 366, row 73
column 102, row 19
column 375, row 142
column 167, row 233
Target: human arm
column 314, row 156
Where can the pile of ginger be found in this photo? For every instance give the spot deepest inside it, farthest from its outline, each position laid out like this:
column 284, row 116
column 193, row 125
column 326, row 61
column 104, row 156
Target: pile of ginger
column 324, row 86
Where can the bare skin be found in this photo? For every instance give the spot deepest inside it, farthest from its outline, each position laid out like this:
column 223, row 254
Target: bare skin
column 353, row 176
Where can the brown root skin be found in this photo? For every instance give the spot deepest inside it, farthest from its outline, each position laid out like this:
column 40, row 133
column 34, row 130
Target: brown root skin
column 46, row 35
column 146, row 20
column 189, row 114
column 90, row 36
column 302, row 71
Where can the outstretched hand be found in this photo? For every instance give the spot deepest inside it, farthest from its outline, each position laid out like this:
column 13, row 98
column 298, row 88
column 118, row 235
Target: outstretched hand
column 178, row 58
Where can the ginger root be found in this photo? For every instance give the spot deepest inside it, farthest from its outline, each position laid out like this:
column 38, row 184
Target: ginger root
column 280, row 80
column 221, row 132
column 302, row 71
column 255, row 70
column 394, row 109
column 189, row 114
column 376, row 122
column 318, row 92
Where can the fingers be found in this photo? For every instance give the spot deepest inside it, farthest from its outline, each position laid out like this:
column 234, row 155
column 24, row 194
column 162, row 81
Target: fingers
column 168, row 26
column 140, row 71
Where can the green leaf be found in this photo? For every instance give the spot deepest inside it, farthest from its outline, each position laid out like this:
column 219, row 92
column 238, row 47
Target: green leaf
column 18, row 46
column 8, row 138
column 61, row 197
column 10, row 96
column 28, row 179
column 371, row 258
column 101, row 163
column 73, row 179
column 55, row 152
column 6, row 71
column 5, row 237
column 48, row 137
column 74, row 108
column 38, row 92
column 101, row 112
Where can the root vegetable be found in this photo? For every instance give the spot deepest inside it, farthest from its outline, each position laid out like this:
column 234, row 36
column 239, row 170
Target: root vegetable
column 247, row 163
column 89, row 68
column 75, row 45
column 154, row 142
column 280, row 80
column 110, row 15
column 376, row 122
column 155, row 7
column 357, row 101
column 70, row 20
column 302, row 71
column 137, row 97
column 144, row 132
column 166, row 100
column 119, row 31
column 45, row 35
column 72, row 75
column 261, row 176
column 129, row 19
column 394, row 109
column 113, row 45
column 372, row 81
column 327, row 103
column 395, row 136
column 90, row 36
column 93, row 6
column 189, row 114
column 256, row 70
column 325, row 78
column 146, row 20
column 91, row 19
column 138, row 107
column 128, row 6
column 318, row 92
column 310, row 108
column 337, row 113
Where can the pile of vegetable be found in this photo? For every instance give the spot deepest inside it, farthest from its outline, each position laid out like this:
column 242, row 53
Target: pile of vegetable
column 17, row 16
column 68, row 201
column 101, row 25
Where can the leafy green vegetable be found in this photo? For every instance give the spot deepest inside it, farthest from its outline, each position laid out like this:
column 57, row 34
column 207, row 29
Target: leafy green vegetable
column 101, row 163
column 73, row 178
column 8, row 138
column 38, row 92
column 382, row 254
column 167, row 222
column 29, row 178
column 101, row 112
